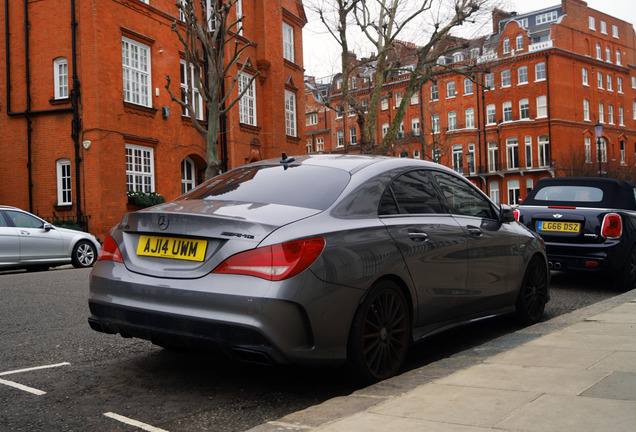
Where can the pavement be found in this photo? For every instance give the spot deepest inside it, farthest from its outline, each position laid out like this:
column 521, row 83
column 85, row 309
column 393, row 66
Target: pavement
column 574, row 373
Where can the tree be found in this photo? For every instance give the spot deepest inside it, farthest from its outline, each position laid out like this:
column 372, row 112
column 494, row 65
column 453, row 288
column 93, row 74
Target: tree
column 212, row 52
column 384, row 23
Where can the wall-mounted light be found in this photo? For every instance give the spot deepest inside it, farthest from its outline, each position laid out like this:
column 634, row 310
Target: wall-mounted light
column 86, row 144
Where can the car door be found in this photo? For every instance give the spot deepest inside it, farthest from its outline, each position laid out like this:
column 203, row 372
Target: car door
column 9, row 242
column 432, row 244
column 494, row 268
column 36, row 242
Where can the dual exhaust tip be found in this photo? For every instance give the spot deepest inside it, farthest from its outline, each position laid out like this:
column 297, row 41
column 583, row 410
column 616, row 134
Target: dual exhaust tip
column 554, row 265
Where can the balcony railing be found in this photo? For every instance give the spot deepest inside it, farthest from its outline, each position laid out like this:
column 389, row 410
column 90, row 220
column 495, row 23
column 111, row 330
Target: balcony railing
column 540, row 46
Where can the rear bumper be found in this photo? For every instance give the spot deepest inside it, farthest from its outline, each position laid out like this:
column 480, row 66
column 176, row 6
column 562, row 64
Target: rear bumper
column 249, row 318
column 606, row 257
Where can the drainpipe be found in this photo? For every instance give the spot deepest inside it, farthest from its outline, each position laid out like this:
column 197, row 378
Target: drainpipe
column 77, row 121
column 547, row 84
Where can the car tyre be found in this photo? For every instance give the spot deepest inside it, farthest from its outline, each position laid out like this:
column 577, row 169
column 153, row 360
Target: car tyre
column 84, row 254
column 533, row 294
column 627, row 278
column 380, row 334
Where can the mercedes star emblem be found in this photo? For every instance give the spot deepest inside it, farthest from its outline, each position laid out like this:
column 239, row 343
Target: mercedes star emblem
column 163, row 223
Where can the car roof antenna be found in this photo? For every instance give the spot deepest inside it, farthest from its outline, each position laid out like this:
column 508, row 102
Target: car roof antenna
column 287, row 160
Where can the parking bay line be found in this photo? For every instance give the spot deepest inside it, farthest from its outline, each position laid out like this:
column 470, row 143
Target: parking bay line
column 23, row 387
column 132, row 422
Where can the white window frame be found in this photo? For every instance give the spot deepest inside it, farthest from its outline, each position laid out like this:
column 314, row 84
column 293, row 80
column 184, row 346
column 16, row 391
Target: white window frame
column 618, row 57
column 591, row 23
column 290, row 113
column 489, row 81
column 506, row 78
column 519, row 42
column 494, row 192
column 339, row 138
column 415, row 98
column 524, row 109
column 599, row 51
column 601, row 112
column 512, row 153
column 185, row 86
column 468, row 86
column 470, row 118
column 542, row 106
column 539, row 71
column 320, row 144
column 415, row 126
column 450, row 89
column 353, row 136
column 140, row 168
column 543, row 144
column 458, row 158
column 514, row 192
column 288, row 42
column 585, row 77
column 60, row 78
column 599, row 80
column 188, row 175
column 491, row 114
column 608, row 54
column 64, row 184
column 586, row 110
column 493, row 154
column 621, row 116
column 506, row 45
column 587, row 145
column 247, row 103
column 609, row 83
column 603, row 27
column 522, row 75
column 528, row 143
column 136, row 71
column 507, row 111
column 452, row 120
column 434, row 92
column 610, row 114
column 435, row 126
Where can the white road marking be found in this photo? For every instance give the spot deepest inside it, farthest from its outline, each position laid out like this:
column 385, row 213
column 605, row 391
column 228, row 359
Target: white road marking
column 22, row 387
column 132, row 422
column 33, row 369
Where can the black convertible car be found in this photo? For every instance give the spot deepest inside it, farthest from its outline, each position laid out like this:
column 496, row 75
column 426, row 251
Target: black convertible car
column 588, row 224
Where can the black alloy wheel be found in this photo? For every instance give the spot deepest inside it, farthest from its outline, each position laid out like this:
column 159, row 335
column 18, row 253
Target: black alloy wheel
column 533, row 294
column 627, row 277
column 380, row 334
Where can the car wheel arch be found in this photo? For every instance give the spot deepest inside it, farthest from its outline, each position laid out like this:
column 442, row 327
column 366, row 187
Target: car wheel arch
column 404, row 288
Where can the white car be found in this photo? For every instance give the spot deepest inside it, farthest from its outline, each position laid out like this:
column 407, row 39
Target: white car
column 26, row 241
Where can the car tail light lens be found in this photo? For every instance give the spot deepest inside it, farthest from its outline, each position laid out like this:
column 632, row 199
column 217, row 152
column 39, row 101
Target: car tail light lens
column 612, row 226
column 276, row 262
column 110, row 251
column 517, row 215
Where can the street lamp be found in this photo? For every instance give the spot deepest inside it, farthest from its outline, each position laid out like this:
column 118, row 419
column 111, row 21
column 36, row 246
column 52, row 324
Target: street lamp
column 598, row 130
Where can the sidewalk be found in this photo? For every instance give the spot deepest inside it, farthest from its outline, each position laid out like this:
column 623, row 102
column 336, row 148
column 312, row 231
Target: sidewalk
column 575, row 373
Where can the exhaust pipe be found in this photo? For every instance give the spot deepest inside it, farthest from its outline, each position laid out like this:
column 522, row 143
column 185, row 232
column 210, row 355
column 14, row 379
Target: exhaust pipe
column 550, row 265
column 557, row 266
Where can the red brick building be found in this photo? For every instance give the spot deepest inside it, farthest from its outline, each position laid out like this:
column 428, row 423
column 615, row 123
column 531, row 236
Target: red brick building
column 518, row 105
column 86, row 117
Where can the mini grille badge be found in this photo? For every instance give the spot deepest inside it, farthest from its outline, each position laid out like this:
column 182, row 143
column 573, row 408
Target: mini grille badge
column 163, row 223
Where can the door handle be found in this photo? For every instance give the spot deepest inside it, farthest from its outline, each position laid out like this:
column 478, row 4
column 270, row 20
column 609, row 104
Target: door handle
column 474, row 231
column 25, row 233
column 418, row 236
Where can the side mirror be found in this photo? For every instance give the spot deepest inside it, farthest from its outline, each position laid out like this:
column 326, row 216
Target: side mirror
column 506, row 214
column 47, row 226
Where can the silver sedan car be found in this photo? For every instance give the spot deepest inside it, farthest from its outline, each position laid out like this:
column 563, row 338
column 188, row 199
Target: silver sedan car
column 318, row 260
column 26, row 241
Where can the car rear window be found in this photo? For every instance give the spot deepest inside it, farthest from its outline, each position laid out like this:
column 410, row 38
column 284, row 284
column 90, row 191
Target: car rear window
column 577, row 194
column 315, row 187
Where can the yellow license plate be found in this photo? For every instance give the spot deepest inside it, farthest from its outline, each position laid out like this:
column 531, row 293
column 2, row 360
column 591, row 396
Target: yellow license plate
column 569, row 227
column 172, row 247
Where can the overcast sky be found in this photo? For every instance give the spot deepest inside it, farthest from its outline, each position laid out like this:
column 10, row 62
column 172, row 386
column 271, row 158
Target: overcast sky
column 321, row 52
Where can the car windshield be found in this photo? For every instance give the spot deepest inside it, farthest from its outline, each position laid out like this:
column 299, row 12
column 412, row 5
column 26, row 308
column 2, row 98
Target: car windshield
column 306, row 186
column 570, row 193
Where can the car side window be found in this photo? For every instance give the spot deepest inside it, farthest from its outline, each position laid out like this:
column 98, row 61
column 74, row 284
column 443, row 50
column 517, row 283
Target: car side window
column 23, row 220
column 3, row 222
column 462, row 198
column 410, row 193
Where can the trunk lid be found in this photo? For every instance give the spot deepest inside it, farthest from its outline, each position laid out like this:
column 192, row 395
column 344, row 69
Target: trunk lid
column 188, row 239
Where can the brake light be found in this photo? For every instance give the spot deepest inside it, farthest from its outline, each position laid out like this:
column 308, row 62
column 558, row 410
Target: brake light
column 110, row 251
column 612, row 226
column 276, row 262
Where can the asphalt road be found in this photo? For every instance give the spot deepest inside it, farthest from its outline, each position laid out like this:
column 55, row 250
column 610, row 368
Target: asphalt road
column 87, row 381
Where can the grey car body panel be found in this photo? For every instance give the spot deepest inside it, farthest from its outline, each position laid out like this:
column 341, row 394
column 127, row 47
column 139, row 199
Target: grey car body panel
column 307, row 318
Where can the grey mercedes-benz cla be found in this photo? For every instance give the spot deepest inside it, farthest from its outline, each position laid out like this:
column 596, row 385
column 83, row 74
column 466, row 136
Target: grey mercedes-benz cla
column 318, row 260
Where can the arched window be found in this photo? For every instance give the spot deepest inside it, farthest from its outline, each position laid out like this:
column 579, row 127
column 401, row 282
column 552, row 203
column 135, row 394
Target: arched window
column 188, row 177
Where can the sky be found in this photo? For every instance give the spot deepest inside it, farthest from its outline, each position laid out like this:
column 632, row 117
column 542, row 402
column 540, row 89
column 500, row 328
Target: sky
column 322, row 53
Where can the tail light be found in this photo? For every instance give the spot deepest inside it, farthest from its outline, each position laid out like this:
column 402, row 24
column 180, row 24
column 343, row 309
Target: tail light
column 517, row 214
column 276, row 262
column 110, row 251
column 612, row 226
